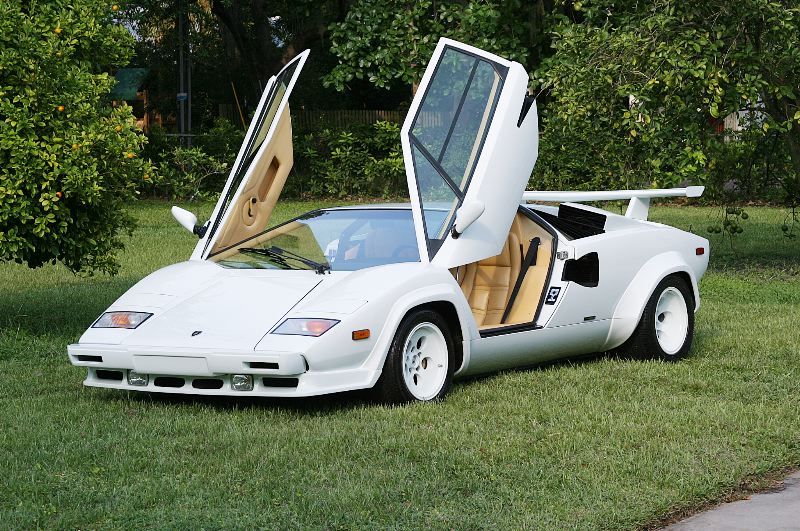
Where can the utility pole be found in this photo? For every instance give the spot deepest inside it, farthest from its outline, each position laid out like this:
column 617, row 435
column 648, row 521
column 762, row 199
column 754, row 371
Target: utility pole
column 184, row 96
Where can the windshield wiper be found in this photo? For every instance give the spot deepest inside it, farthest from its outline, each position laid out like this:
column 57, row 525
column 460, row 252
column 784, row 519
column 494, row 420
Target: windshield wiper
column 280, row 255
column 320, row 268
column 277, row 258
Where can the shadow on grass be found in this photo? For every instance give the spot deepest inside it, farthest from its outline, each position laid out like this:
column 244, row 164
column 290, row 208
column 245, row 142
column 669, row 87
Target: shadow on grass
column 338, row 402
column 303, row 406
column 64, row 310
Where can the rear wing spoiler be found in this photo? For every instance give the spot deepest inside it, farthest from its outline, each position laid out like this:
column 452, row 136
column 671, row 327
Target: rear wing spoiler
column 639, row 199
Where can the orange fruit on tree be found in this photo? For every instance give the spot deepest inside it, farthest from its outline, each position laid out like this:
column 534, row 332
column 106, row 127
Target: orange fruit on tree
column 130, row 154
column 118, row 128
column 115, row 7
column 59, row 194
column 57, row 30
column 60, row 108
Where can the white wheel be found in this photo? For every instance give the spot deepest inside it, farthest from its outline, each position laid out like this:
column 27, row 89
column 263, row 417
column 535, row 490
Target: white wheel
column 671, row 320
column 425, row 361
column 419, row 364
column 666, row 328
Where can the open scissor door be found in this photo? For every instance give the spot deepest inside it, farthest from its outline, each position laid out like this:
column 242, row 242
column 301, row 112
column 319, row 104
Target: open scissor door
column 260, row 170
column 470, row 136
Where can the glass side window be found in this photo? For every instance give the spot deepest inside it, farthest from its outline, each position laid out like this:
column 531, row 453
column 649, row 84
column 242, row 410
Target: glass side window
column 448, row 132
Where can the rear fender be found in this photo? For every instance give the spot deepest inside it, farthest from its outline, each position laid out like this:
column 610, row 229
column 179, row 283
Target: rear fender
column 631, row 305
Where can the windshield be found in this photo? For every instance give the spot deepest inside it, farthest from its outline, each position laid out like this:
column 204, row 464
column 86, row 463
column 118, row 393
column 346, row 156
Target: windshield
column 339, row 240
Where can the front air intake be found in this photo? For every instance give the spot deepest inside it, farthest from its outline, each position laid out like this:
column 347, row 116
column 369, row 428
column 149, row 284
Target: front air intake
column 105, row 374
column 280, row 382
column 169, row 381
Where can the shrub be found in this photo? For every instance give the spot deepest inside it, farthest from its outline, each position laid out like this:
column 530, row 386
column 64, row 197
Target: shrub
column 188, row 173
column 364, row 161
column 69, row 161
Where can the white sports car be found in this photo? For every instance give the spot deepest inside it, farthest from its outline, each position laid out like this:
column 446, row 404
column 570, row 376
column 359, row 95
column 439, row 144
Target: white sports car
column 474, row 275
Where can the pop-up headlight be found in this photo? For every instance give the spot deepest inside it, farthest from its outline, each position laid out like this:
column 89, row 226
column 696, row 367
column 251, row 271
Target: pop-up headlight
column 128, row 320
column 305, row 327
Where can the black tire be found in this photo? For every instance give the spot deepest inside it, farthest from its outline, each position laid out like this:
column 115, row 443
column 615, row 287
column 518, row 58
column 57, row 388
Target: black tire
column 391, row 387
column 644, row 342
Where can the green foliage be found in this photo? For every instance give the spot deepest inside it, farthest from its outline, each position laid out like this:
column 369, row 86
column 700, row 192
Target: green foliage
column 188, row 173
column 363, row 161
column 68, row 160
column 685, row 65
column 196, row 172
column 388, row 41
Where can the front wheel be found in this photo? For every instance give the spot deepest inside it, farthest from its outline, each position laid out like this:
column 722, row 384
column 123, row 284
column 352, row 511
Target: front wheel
column 666, row 328
column 419, row 364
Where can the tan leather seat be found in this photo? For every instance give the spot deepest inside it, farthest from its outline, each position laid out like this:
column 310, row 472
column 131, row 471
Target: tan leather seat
column 487, row 284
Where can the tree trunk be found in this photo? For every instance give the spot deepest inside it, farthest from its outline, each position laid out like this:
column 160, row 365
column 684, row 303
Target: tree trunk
column 778, row 111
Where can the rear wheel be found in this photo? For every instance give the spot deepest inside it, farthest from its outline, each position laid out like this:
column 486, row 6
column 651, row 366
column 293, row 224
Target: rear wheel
column 419, row 365
column 666, row 328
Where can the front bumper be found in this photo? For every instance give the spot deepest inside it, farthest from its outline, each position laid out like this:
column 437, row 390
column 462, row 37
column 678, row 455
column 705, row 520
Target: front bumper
column 206, row 372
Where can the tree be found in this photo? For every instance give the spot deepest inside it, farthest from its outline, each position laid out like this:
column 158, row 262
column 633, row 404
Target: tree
column 637, row 90
column 386, row 42
column 68, row 158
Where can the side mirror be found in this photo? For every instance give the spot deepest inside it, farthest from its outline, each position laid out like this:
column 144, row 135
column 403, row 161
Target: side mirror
column 466, row 216
column 188, row 221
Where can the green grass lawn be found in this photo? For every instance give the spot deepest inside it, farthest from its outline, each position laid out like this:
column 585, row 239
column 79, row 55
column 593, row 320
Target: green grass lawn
column 601, row 443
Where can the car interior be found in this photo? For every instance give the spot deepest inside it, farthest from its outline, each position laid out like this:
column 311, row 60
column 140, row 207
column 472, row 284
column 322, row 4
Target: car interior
column 505, row 290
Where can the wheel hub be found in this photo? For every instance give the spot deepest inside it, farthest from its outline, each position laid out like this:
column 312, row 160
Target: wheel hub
column 425, row 361
column 671, row 320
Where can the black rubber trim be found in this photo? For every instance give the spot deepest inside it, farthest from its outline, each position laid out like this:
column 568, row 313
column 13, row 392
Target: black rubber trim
column 553, row 248
column 510, row 329
column 528, row 262
column 527, row 103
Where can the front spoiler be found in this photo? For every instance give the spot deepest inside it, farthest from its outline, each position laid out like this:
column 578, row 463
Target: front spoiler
column 277, row 374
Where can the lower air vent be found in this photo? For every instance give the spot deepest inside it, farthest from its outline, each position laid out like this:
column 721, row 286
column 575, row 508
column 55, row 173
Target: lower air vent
column 262, row 365
column 279, row 382
column 207, row 383
column 87, row 357
column 169, row 381
column 104, row 374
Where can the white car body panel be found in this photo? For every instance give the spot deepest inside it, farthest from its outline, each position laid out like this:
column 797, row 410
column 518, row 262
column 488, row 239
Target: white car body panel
column 211, row 322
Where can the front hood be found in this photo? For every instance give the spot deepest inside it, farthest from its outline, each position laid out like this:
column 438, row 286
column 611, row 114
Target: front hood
column 232, row 314
column 224, row 308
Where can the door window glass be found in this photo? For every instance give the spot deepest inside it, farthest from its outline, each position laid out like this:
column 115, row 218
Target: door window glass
column 448, row 132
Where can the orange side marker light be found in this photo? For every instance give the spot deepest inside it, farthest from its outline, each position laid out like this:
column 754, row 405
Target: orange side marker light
column 360, row 334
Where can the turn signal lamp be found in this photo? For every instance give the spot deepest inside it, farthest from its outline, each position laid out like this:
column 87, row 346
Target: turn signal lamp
column 360, row 334
column 305, row 327
column 128, row 320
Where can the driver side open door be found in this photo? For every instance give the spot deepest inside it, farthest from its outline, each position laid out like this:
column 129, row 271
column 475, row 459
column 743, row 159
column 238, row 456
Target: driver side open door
column 260, row 170
column 470, row 140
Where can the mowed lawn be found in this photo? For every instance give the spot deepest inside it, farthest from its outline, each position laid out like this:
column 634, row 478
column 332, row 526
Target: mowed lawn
column 600, row 443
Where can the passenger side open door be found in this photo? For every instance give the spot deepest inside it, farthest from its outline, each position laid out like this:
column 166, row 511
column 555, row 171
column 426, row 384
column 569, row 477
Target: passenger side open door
column 260, row 170
column 470, row 142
